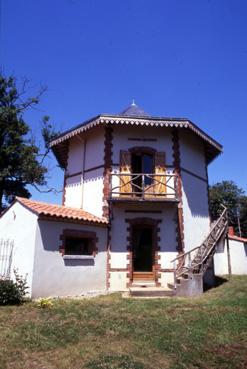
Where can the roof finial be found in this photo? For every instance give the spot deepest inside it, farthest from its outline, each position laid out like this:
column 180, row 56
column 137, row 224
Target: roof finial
column 133, row 102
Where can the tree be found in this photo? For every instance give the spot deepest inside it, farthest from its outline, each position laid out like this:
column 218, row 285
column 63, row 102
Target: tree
column 233, row 197
column 21, row 162
column 243, row 215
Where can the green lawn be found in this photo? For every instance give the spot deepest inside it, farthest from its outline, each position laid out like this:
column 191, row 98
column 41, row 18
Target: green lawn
column 112, row 332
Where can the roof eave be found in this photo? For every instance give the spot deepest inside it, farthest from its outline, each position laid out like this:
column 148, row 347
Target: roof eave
column 71, row 130
column 105, row 119
column 55, row 218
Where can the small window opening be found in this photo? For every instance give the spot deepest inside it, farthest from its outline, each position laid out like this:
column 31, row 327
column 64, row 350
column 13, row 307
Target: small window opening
column 77, row 246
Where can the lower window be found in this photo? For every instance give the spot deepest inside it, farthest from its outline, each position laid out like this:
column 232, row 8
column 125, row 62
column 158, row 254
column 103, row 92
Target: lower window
column 78, row 243
column 77, row 246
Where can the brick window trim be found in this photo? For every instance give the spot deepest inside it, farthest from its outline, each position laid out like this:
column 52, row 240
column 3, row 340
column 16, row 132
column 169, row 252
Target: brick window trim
column 72, row 233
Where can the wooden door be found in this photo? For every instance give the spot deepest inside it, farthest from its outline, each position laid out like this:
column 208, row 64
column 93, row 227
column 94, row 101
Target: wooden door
column 143, row 252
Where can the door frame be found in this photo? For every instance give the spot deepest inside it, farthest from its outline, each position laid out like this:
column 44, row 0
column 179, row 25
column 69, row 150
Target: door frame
column 134, row 227
column 150, row 222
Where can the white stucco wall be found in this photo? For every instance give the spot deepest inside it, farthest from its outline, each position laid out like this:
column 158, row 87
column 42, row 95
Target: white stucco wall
column 93, row 192
column 93, row 179
column 195, row 211
column 74, row 192
column 85, row 190
column 192, row 153
column 56, row 277
column 75, row 155
column 162, row 135
column 19, row 224
column 238, row 258
column 95, row 148
column 74, row 184
column 194, row 190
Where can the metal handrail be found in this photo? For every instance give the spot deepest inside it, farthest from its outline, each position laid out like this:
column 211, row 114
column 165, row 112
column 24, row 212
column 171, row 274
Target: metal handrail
column 181, row 268
column 197, row 247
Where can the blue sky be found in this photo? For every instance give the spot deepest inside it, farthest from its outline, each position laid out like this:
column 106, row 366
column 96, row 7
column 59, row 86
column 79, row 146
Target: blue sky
column 176, row 58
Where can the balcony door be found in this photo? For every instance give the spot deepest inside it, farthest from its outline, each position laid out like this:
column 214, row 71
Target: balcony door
column 142, row 173
column 142, row 165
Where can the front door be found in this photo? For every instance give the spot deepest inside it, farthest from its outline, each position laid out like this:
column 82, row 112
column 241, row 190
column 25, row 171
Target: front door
column 143, row 255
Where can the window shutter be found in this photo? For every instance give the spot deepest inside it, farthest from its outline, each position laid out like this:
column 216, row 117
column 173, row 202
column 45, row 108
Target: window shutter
column 125, row 170
column 160, row 168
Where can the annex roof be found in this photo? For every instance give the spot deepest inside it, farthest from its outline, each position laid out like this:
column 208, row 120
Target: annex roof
column 59, row 212
column 132, row 116
column 234, row 237
column 237, row 238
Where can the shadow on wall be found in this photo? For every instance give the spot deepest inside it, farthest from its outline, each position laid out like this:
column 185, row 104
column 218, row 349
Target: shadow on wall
column 93, row 179
column 50, row 239
column 220, row 249
column 79, row 262
column 196, row 195
column 90, row 177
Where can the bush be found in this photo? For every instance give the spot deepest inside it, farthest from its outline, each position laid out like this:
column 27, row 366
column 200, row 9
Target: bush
column 13, row 293
column 9, row 294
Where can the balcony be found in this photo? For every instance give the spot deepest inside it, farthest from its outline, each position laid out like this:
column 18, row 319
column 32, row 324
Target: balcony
column 143, row 187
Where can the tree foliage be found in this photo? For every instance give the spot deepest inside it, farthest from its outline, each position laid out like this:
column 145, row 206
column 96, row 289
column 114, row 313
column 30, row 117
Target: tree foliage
column 234, row 198
column 21, row 162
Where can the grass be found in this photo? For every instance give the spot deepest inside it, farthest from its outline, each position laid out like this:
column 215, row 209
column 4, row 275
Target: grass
column 109, row 332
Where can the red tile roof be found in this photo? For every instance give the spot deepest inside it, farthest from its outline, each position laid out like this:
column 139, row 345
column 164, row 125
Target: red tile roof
column 58, row 211
column 233, row 236
column 237, row 238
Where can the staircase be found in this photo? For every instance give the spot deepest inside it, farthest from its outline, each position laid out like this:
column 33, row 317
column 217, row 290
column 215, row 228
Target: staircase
column 191, row 266
column 144, row 286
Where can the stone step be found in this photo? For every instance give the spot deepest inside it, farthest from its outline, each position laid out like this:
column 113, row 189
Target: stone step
column 151, row 292
column 143, row 284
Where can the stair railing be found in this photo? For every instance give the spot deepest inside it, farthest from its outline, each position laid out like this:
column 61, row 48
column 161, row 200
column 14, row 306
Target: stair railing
column 193, row 260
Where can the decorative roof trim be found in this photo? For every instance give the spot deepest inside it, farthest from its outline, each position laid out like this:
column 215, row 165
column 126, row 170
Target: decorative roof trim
column 133, row 121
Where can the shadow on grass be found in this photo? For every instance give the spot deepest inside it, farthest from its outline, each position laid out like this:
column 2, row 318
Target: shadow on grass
column 218, row 281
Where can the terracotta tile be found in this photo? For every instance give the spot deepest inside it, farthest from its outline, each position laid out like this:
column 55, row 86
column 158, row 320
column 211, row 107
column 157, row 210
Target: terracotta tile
column 42, row 208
